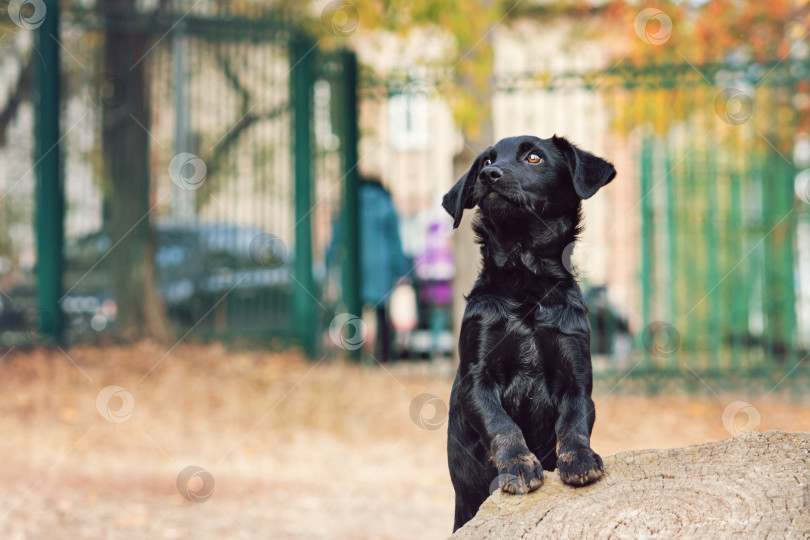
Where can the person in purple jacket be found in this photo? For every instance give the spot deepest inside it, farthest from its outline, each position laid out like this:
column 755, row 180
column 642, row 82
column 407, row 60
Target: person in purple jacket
column 435, row 268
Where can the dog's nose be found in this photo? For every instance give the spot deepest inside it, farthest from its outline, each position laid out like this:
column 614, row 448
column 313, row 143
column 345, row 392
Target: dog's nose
column 490, row 175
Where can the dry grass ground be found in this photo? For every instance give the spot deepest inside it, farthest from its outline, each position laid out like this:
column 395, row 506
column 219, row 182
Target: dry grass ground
column 297, row 450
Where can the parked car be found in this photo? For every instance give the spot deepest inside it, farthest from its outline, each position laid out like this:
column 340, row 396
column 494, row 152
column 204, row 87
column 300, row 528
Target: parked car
column 196, row 265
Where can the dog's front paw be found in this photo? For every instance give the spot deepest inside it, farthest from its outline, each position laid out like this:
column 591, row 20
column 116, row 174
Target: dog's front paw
column 579, row 467
column 520, row 475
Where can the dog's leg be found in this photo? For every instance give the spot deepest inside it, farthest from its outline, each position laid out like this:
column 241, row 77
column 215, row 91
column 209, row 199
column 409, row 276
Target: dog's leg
column 470, row 470
column 519, row 471
column 578, row 464
column 465, row 511
column 479, row 400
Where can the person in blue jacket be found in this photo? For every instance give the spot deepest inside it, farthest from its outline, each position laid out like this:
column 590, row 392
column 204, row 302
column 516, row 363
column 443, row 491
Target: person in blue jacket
column 382, row 259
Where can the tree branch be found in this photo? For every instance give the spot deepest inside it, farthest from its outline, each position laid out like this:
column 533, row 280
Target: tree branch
column 248, row 119
column 20, row 92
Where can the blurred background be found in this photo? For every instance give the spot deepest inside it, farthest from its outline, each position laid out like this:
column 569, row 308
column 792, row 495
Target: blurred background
column 226, row 277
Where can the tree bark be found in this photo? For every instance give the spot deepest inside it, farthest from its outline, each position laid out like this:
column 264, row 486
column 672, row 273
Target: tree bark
column 752, row 486
column 126, row 154
column 466, row 252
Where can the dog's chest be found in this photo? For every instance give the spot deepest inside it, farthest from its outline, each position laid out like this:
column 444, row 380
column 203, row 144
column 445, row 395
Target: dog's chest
column 521, row 335
column 531, row 317
column 527, row 333
column 524, row 338
column 571, row 318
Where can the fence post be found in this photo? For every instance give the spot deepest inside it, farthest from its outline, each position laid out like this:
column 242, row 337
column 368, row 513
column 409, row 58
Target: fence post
column 352, row 268
column 302, row 77
column 49, row 198
column 647, row 243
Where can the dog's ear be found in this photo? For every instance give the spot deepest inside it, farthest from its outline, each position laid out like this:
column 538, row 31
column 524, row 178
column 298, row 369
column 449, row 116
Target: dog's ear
column 588, row 172
column 462, row 195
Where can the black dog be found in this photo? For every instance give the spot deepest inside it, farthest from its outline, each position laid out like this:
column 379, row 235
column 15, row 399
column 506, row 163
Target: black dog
column 521, row 400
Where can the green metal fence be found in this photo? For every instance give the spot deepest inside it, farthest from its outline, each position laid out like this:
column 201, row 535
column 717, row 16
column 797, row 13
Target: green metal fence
column 246, row 132
column 204, row 115
column 711, row 157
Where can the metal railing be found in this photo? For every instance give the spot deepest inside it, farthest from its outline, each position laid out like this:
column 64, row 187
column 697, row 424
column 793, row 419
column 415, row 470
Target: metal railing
column 190, row 131
column 716, row 159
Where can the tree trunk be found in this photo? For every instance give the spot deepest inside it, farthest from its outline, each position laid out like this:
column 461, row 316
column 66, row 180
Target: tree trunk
column 123, row 92
column 752, row 486
column 467, row 253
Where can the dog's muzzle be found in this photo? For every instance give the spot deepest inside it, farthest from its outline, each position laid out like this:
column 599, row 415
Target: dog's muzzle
column 490, row 175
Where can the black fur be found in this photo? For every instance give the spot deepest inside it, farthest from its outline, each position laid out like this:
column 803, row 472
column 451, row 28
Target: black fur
column 521, row 400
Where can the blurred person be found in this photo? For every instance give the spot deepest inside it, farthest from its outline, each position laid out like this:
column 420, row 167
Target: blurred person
column 404, row 314
column 610, row 329
column 382, row 260
column 435, row 269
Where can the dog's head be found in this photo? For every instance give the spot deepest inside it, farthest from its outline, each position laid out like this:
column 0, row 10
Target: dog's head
column 521, row 175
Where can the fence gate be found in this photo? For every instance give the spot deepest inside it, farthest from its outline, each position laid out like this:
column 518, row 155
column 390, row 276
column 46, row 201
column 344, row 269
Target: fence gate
column 206, row 115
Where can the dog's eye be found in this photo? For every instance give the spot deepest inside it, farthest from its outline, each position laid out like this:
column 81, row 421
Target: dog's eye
column 534, row 158
column 487, row 162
